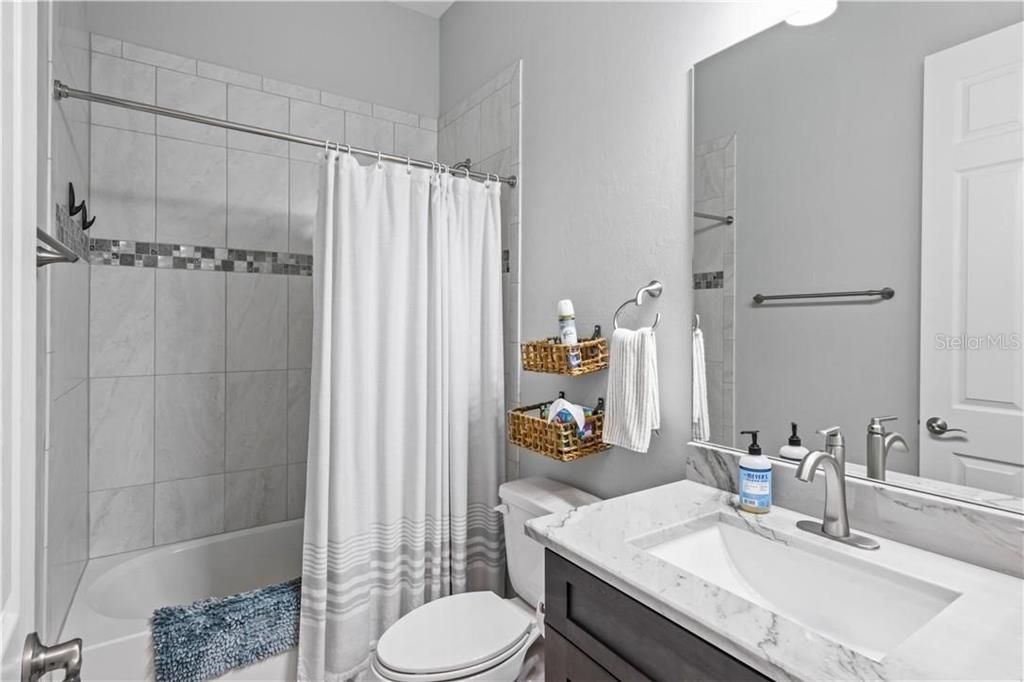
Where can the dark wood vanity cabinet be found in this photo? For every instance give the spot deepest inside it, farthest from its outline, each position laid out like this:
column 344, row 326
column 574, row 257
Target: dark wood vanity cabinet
column 594, row 632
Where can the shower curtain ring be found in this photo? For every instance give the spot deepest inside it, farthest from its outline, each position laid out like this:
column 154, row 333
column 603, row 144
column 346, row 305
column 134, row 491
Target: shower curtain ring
column 379, row 164
column 408, row 165
column 467, row 173
column 348, row 149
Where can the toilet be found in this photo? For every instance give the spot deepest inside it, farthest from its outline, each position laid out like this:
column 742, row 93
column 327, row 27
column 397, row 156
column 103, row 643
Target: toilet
column 479, row 635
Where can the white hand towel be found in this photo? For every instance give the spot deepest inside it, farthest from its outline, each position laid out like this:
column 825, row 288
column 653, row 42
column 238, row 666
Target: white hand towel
column 632, row 405
column 701, row 417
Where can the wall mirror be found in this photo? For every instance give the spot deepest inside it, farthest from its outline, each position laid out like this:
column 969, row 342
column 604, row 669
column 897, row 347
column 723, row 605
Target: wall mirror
column 878, row 155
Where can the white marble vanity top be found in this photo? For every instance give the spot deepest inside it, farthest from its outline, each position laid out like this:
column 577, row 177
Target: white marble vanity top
column 980, row 635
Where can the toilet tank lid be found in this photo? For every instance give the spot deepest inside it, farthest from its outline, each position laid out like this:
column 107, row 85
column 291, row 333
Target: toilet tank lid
column 541, row 496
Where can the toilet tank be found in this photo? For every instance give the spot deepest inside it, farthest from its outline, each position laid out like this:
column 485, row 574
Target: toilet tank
column 525, row 499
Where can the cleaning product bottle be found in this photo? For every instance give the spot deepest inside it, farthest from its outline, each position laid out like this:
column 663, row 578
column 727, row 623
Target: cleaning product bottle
column 567, row 331
column 755, row 479
column 794, row 451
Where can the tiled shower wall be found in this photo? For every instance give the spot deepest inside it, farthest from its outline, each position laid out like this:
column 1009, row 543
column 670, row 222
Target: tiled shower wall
column 201, row 323
column 63, row 307
column 714, row 259
column 485, row 127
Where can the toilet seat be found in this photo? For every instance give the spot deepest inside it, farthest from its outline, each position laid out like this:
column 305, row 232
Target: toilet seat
column 454, row 637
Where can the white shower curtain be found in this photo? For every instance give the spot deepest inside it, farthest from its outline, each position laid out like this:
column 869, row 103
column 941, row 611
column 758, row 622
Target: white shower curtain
column 406, row 418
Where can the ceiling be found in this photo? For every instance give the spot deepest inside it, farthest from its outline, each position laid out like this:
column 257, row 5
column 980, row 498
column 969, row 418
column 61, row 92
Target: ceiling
column 432, row 8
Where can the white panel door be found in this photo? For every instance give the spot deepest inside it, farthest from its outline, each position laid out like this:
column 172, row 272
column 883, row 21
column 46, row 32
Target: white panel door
column 18, row 93
column 972, row 263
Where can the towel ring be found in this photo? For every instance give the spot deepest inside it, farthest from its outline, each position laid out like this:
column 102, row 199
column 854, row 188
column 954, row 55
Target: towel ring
column 653, row 290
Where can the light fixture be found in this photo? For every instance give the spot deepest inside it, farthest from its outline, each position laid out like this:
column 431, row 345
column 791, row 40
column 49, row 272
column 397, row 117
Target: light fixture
column 812, row 11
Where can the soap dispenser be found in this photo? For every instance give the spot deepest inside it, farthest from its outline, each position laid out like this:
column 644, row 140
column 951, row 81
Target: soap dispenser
column 795, row 450
column 755, row 484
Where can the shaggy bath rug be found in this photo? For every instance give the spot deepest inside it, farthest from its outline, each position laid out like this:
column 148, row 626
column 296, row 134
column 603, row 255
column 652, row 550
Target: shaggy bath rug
column 209, row 637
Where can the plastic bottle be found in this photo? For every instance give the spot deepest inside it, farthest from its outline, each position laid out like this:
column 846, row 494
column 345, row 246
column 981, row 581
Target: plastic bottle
column 567, row 331
column 755, row 484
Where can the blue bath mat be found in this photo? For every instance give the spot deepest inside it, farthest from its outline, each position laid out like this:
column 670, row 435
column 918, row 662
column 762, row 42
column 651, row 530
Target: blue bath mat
column 209, row 637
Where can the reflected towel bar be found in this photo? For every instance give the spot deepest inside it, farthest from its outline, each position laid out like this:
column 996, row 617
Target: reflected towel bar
column 727, row 219
column 885, row 294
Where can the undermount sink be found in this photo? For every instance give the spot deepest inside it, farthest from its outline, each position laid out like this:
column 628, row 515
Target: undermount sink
column 859, row 604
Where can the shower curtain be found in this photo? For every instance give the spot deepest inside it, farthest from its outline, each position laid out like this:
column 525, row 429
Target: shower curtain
column 406, row 417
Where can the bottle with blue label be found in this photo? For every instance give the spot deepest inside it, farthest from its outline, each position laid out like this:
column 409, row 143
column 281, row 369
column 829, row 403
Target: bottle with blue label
column 755, row 485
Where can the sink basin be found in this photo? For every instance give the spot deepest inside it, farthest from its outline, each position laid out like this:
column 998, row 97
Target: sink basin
column 859, row 604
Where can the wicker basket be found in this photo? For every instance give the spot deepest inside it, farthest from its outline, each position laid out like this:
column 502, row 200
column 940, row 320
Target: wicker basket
column 557, row 441
column 552, row 357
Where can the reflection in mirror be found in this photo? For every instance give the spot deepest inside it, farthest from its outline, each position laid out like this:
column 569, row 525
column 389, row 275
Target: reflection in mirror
column 876, row 155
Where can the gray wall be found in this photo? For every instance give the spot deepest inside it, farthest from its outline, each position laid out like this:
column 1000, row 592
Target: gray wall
column 606, row 149
column 373, row 51
column 828, row 119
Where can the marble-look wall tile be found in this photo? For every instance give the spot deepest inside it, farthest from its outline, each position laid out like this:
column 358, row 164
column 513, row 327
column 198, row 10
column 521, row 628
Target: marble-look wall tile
column 298, row 414
column 120, row 520
column 302, row 205
column 260, row 109
column 369, row 133
column 314, row 120
column 120, row 432
column 495, row 122
column 416, row 143
column 295, row 92
column 346, row 103
column 189, row 425
column 68, row 334
column 257, row 201
column 257, row 322
column 67, row 475
column 191, row 193
column 256, row 497
column 127, row 79
column 229, row 75
column 300, row 322
column 296, row 490
column 121, row 322
column 167, row 60
column 122, row 184
column 189, row 508
column 202, row 96
column 189, row 321
column 979, row 535
column 395, row 115
column 257, row 406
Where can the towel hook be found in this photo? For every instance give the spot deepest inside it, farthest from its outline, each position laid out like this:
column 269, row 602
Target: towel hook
column 696, row 324
column 653, row 289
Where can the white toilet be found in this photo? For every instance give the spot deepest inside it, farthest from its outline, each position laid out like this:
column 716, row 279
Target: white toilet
column 479, row 635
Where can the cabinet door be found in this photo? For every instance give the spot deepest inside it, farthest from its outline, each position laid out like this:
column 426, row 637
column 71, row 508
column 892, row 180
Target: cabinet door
column 626, row 638
column 565, row 663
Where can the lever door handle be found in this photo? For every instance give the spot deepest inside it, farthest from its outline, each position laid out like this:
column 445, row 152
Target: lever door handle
column 937, row 426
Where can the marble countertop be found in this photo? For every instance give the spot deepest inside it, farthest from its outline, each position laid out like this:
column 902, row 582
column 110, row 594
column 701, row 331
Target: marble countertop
column 978, row 636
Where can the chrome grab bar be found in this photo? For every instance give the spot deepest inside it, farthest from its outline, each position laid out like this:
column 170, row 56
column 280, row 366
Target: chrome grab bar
column 885, row 294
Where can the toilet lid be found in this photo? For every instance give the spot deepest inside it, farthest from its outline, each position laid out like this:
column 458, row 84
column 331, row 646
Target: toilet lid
column 453, row 632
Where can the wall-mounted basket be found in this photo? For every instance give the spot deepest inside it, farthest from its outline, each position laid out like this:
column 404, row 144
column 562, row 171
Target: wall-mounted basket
column 551, row 357
column 554, row 440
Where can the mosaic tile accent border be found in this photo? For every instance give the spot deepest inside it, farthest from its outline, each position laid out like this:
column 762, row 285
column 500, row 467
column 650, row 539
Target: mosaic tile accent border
column 70, row 233
column 709, row 280
column 128, row 253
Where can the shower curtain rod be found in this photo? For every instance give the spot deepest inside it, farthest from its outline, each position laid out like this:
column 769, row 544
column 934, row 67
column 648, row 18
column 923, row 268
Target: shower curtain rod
column 62, row 91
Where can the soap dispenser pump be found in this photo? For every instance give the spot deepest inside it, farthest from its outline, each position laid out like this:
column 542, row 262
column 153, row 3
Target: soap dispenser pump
column 755, row 484
column 794, row 450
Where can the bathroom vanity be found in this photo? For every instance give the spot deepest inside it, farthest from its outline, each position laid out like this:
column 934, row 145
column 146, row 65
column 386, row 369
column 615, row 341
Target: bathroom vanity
column 676, row 583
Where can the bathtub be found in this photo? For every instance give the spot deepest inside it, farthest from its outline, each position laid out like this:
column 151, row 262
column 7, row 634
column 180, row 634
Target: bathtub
column 117, row 595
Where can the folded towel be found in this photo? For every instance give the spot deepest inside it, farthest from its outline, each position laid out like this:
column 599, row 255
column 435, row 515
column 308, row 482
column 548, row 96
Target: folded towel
column 633, row 408
column 701, row 417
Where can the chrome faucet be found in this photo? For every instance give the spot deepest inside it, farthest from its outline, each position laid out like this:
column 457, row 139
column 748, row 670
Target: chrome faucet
column 836, row 522
column 879, row 443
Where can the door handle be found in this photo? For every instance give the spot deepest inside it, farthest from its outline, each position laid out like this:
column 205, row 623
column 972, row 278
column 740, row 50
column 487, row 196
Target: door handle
column 937, row 426
column 38, row 660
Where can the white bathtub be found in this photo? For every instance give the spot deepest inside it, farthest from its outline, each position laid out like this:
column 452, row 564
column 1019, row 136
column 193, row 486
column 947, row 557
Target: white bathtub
column 118, row 594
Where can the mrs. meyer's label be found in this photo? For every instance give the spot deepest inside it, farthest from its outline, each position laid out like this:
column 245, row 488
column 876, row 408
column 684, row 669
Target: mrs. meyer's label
column 756, row 487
